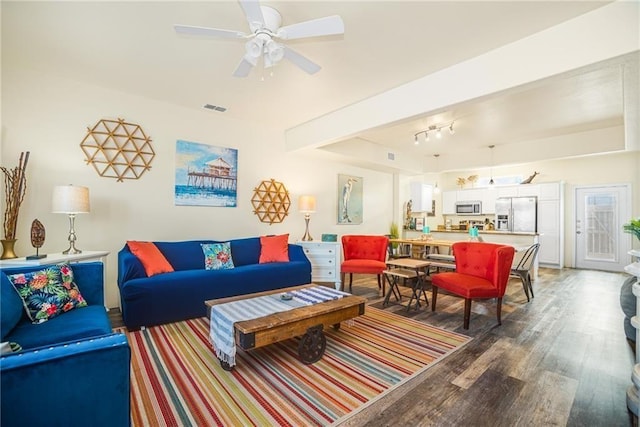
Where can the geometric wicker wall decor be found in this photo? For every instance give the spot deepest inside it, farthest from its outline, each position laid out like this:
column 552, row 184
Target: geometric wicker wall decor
column 117, row 149
column 271, row 201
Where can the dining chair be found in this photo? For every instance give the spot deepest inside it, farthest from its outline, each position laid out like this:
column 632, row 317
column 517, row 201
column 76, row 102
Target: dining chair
column 482, row 271
column 364, row 254
column 523, row 269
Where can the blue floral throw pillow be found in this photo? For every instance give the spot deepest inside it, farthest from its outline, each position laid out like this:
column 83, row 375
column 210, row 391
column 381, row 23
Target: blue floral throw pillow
column 48, row 293
column 217, row 256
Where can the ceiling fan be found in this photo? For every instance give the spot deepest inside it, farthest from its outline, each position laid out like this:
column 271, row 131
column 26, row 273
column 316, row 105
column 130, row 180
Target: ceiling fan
column 264, row 24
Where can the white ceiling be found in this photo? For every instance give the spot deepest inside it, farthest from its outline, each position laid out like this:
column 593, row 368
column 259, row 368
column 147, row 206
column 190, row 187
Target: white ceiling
column 131, row 46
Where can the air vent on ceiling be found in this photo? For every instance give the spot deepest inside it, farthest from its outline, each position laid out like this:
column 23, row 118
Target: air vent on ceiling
column 214, row 107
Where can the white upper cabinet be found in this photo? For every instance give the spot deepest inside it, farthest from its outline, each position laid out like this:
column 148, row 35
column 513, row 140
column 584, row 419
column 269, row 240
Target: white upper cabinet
column 421, row 196
column 489, row 201
column 449, row 199
column 549, row 191
column 527, row 190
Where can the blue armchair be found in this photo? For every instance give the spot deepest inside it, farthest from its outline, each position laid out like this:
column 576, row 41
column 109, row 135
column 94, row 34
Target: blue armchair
column 72, row 369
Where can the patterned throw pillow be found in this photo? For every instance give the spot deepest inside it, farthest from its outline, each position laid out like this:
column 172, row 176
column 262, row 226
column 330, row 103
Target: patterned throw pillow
column 217, row 256
column 48, row 293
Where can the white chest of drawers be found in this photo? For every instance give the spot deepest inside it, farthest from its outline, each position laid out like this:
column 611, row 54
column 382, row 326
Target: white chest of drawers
column 325, row 261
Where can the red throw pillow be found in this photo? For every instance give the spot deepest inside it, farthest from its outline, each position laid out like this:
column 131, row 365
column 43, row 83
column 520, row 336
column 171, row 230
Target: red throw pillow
column 274, row 248
column 151, row 258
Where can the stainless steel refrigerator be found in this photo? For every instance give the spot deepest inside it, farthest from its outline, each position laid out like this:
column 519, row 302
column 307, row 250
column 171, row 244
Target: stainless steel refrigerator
column 517, row 214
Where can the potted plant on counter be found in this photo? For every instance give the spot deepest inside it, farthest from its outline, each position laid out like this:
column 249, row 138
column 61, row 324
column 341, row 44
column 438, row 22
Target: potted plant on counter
column 633, row 227
column 394, row 233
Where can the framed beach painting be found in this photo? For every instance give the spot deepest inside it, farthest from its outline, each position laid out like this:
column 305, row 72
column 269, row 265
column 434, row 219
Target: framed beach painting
column 206, row 175
column 349, row 199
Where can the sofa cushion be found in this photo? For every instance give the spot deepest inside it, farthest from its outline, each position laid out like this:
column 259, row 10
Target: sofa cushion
column 185, row 255
column 48, row 293
column 11, row 308
column 80, row 323
column 274, row 248
column 150, row 256
column 217, row 256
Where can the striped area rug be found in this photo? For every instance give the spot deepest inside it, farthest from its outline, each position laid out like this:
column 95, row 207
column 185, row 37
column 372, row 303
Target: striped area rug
column 176, row 379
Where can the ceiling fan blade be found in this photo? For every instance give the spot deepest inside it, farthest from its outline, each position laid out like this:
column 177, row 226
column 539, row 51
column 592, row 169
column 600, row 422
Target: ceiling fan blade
column 244, row 68
column 326, row 26
column 299, row 60
column 253, row 13
column 212, row 32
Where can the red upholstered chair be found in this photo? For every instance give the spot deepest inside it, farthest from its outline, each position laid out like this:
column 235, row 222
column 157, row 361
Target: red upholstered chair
column 482, row 271
column 364, row 255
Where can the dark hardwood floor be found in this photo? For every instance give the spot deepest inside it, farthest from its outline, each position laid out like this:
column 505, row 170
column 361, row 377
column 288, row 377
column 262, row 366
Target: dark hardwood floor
column 561, row 359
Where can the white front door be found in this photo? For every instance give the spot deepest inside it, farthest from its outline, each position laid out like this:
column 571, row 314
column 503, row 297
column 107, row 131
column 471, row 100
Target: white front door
column 601, row 244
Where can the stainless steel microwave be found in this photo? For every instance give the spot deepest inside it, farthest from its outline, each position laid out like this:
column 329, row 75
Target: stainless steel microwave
column 469, row 208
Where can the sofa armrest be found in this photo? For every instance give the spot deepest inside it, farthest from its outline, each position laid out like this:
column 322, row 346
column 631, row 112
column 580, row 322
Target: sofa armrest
column 87, row 381
column 296, row 253
column 129, row 267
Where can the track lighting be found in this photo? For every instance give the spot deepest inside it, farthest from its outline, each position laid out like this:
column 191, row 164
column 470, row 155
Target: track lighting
column 431, row 129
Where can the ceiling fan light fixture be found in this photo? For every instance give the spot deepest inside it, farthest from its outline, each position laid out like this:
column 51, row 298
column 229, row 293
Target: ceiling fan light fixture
column 254, row 48
column 274, row 51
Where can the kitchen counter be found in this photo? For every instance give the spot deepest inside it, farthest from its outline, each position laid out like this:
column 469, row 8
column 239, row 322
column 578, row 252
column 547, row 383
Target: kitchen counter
column 506, row 233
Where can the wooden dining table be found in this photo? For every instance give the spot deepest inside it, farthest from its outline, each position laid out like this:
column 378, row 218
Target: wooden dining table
column 429, row 245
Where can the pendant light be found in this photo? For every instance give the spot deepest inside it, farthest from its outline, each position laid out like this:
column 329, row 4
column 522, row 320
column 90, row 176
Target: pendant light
column 491, row 183
column 436, row 189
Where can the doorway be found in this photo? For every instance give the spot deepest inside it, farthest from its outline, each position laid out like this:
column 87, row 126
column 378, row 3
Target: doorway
column 600, row 213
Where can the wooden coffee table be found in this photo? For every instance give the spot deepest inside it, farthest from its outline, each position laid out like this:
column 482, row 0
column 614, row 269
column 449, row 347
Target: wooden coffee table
column 307, row 321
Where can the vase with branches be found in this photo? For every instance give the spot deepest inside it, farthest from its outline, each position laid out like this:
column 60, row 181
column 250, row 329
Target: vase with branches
column 15, row 187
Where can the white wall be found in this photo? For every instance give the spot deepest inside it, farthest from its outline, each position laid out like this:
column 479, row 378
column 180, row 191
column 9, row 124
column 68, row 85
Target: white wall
column 49, row 116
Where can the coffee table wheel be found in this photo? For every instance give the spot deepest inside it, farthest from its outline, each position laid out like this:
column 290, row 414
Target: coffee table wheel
column 336, row 326
column 226, row 366
column 312, row 345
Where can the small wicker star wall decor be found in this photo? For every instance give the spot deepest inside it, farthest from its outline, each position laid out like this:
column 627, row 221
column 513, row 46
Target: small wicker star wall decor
column 271, row 201
column 118, row 149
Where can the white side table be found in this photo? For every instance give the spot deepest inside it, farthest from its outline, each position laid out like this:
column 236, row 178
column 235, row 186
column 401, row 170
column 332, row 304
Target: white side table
column 325, row 261
column 59, row 257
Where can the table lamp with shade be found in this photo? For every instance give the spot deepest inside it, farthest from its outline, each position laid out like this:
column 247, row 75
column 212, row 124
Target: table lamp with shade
column 70, row 200
column 307, row 206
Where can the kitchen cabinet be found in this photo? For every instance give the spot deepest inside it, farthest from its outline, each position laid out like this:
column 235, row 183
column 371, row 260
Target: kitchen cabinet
column 549, row 191
column 449, row 199
column 489, row 202
column 521, row 190
column 470, row 195
column 551, row 225
column 421, row 196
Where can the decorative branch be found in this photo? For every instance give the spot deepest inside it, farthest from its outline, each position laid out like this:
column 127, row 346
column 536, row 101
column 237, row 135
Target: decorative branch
column 15, row 187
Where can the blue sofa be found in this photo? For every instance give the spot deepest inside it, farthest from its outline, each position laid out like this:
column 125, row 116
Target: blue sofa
column 180, row 295
column 72, row 369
